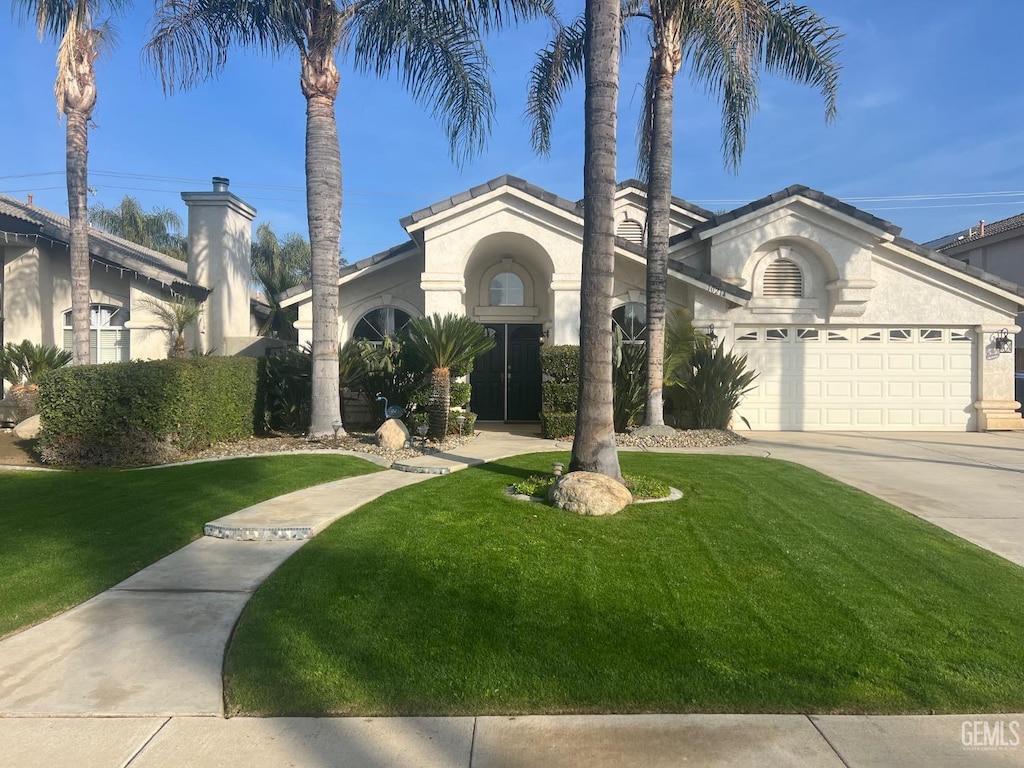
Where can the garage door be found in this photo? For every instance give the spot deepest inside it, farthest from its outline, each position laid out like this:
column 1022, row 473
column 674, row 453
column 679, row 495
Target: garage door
column 827, row 378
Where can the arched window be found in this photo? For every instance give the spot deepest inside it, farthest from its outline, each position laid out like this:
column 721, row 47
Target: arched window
column 631, row 230
column 380, row 322
column 782, row 279
column 631, row 318
column 108, row 338
column 506, row 290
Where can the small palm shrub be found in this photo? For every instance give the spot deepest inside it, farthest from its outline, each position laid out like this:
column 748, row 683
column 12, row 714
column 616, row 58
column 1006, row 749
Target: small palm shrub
column 22, row 365
column 174, row 318
column 712, row 384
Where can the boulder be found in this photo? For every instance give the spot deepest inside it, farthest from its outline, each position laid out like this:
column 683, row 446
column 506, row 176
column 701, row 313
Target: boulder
column 28, row 429
column 589, row 493
column 392, row 435
column 662, row 431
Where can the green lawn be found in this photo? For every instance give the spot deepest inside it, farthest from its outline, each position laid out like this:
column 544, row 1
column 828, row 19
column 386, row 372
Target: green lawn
column 767, row 588
column 67, row 536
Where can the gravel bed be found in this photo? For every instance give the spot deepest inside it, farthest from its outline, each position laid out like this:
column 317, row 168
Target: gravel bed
column 683, row 438
column 360, row 442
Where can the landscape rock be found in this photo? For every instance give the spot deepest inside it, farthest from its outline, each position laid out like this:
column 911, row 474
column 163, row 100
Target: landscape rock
column 28, row 429
column 589, row 493
column 642, row 433
column 392, row 435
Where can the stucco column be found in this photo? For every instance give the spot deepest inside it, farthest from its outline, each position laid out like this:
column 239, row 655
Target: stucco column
column 220, row 258
column 995, row 404
column 565, row 308
column 443, row 293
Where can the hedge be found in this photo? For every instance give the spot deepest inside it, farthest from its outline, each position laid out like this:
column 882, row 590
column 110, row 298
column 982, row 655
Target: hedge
column 560, row 390
column 557, row 425
column 145, row 412
column 561, row 363
column 560, row 395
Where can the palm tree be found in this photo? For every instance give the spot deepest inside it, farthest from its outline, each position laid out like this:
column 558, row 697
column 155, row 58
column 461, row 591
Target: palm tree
column 433, row 45
column 158, row 230
column 175, row 317
column 71, row 23
column 593, row 449
column 278, row 265
column 444, row 343
column 724, row 41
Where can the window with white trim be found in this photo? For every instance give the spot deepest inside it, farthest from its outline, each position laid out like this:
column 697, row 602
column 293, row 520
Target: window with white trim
column 631, row 318
column 506, row 290
column 380, row 322
column 109, row 340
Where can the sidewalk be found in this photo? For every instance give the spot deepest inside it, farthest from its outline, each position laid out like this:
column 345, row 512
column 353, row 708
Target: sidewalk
column 133, row 677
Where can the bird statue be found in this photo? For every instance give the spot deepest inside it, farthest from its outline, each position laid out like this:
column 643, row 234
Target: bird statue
column 391, row 411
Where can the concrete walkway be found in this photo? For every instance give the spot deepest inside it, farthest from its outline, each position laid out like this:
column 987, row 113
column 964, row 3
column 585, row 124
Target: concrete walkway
column 133, row 676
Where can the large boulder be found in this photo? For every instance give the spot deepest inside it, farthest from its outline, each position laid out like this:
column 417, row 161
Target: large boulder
column 392, row 435
column 589, row 493
column 28, row 429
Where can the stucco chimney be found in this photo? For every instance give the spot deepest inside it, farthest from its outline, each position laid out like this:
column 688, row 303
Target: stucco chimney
column 220, row 258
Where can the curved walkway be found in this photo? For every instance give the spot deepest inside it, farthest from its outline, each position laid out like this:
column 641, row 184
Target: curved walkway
column 133, row 676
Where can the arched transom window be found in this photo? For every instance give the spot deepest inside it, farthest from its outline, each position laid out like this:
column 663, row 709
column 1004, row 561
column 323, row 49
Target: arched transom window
column 782, row 279
column 108, row 338
column 631, row 318
column 380, row 322
column 506, row 290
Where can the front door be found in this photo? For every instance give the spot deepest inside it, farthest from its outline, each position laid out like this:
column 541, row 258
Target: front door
column 506, row 380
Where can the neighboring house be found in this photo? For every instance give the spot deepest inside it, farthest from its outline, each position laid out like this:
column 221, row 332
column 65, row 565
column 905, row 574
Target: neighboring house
column 997, row 248
column 35, row 282
column 850, row 326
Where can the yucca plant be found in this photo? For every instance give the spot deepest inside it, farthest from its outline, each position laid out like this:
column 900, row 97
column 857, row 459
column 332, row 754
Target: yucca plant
column 444, row 343
column 712, row 383
column 23, row 363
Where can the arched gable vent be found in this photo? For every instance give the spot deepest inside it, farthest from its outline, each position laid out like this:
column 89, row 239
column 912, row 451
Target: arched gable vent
column 631, row 230
column 783, row 279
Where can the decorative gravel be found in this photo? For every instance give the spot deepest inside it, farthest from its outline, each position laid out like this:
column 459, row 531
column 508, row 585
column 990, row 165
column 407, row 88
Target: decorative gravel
column 683, row 438
column 361, row 442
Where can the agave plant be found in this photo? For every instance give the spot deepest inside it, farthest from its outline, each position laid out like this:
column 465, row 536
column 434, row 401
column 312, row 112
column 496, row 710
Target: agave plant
column 23, row 363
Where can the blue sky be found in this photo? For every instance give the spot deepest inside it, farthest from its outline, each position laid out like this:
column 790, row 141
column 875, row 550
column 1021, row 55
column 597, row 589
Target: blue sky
column 929, row 129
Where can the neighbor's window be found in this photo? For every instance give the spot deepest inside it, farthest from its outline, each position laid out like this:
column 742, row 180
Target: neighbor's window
column 632, row 319
column 506, row 290
column 108, row 338
column 380, row 322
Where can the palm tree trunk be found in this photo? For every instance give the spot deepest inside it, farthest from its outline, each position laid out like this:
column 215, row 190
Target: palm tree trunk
column 659, row 205
column 440, row 403
column 77, row 148
column 593, row 449
column 323, row 205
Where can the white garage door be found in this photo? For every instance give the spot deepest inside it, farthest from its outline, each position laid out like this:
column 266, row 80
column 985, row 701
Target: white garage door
column 839, row 378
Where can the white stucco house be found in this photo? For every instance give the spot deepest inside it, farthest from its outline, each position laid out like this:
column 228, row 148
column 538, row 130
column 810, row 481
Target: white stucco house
column 35, row 281
column 851, row 326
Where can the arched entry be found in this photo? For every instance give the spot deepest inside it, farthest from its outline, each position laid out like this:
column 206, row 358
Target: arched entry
column 506, row 380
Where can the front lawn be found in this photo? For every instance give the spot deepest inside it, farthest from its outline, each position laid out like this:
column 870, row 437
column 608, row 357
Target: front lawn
column 767, row 588
column 67, row 536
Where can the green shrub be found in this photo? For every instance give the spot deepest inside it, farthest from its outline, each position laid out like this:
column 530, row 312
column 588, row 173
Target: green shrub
column 561, row 363
column 286, row 390
column 414, row 419
column 712, row 384
column 630, row 395
column 556, row 424
column 534, row 485
column 26, row 362
column 461, row 391
column 644, row 487
column 560, row 395
column 141, row 412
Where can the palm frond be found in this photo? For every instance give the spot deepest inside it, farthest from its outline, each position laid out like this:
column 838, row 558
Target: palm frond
column 439, row 59
column 558, row 65
column 645, row 126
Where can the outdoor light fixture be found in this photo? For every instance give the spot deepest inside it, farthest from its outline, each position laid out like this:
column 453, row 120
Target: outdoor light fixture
column 710, row 333
column 1002, row 342
column 422, row 431
column 336, row 426
column 544, row 337
column 461, row 421
column 556, row 468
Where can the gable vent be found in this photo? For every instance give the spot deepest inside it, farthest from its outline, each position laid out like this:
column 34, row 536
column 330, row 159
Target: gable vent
column 783, row 279
column 631, row 230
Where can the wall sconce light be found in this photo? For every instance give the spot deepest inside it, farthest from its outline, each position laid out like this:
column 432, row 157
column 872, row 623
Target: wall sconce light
column 544, row 336
column 1002, row 342
column 710, row 333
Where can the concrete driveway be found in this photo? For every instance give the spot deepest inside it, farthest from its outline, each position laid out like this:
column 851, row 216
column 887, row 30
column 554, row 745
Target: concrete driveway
column 969, row 483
